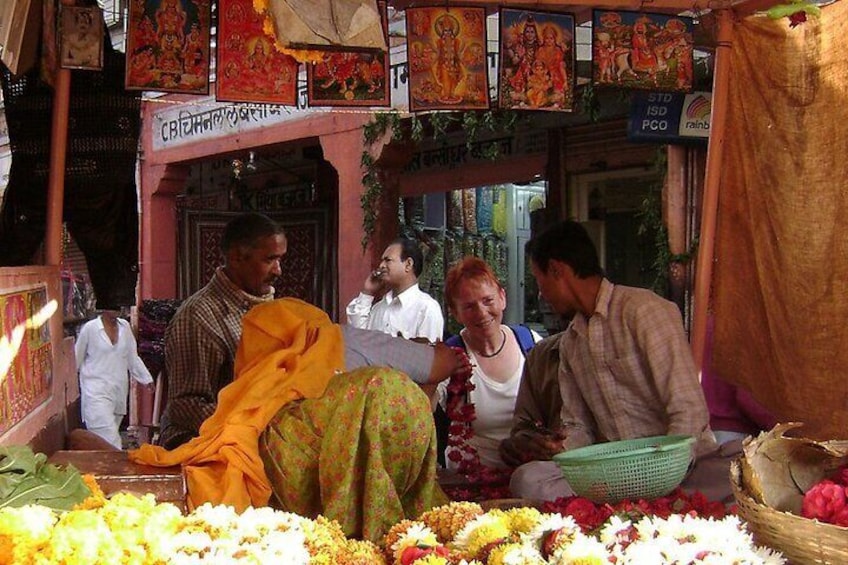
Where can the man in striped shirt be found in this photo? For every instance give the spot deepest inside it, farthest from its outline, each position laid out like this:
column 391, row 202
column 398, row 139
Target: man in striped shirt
column 625, row 367
column 203, row 336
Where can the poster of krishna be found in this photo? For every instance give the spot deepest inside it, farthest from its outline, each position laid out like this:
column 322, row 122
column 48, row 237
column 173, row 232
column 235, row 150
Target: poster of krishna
column 536, row 60
column 642, row 51
column 351, row 78
column 447, row 59
column 249, row 68
column 168, row 46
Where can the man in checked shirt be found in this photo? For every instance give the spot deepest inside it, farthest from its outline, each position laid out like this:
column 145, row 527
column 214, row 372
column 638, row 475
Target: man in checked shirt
column 202, row 338
column 624, row 368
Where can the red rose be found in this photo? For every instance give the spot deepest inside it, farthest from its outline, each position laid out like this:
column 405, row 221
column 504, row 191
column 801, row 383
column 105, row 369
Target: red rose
column 797, row 18
column 823, row 501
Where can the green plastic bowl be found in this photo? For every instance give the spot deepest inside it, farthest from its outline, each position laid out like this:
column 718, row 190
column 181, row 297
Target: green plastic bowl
column 642, row 468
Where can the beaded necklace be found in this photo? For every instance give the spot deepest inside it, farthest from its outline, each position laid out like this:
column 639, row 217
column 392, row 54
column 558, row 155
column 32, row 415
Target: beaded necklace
column 498, row 352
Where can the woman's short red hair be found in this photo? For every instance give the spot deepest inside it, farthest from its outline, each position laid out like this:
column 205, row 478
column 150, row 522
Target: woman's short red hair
column 467, row 269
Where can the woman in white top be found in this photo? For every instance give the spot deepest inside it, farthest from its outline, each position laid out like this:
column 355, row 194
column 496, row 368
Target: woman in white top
column 477, row 300
column 106, row 353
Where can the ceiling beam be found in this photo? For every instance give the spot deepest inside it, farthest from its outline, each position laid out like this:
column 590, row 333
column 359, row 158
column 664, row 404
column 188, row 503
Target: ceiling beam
column 675, row 6
column 581, row 8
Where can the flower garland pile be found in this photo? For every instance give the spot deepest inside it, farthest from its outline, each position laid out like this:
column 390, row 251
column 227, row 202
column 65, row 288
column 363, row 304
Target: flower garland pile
column 459, row 533
column 491, row 483
column 827, row 500
column 590, row 516
column 138, row 531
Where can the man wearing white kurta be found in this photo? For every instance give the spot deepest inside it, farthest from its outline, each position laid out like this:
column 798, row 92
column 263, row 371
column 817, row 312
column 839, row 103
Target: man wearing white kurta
column 106, row 352
column 404, row 310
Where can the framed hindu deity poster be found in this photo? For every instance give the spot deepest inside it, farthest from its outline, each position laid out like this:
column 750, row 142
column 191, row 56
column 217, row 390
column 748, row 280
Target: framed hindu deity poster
column 81, row 37
column 446, row 49
column 350, row 78
column 26, row 352
column 249, row 68
column 168, row 46
column 536, row 60
column 642, row 51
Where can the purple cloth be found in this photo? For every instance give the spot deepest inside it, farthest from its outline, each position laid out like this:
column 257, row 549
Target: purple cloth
column 732, row 408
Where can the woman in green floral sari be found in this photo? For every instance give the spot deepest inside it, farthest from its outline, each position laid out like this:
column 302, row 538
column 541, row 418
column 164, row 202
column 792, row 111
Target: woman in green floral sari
column 363, row 454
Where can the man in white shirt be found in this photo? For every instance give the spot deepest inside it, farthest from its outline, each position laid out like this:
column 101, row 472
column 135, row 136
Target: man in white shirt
column 106, row 353
column 404, row 310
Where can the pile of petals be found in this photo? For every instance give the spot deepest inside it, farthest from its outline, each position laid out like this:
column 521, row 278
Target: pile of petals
column 827, row 500
column 129, row 529
column 590, row 515
column 460, row 534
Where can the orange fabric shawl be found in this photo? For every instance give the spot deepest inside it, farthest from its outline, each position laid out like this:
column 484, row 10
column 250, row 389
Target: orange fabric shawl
column 289, row 350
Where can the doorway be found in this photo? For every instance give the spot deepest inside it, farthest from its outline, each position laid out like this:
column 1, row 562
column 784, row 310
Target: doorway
column 611, row 204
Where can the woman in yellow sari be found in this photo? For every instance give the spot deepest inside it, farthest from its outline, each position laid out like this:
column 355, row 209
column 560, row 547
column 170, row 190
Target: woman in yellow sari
column 296, row 431
column 364, row 454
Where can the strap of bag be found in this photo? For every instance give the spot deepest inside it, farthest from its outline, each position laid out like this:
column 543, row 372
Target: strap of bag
column 522, row 334
column 524, row 337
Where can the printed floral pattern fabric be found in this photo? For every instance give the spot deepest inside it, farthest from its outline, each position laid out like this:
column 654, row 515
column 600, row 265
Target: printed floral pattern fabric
column 363, row 454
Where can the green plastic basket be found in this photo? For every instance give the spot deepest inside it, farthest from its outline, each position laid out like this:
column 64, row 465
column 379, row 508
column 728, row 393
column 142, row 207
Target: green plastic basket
column 646, row 468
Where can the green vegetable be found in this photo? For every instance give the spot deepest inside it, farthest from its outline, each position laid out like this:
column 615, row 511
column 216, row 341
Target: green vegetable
column 27, row 478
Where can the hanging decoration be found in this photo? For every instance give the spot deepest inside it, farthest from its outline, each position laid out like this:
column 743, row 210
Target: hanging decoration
column 642, row 51
column 305, row 29
column 81, row 37
column 168, row 46
column 796, row 11
column 249, row 69
column 447, row 59
column 536, row 60
column 350, row 78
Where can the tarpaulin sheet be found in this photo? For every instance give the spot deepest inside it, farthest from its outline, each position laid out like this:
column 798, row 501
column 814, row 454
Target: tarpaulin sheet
column 780, row 288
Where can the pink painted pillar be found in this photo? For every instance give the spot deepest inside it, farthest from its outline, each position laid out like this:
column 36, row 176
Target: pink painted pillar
column 158, row 262
column 344, row 151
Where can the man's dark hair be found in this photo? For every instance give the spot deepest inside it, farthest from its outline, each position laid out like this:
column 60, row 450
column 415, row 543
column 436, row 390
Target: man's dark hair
column 409, row 248
column 247, row 229
column 568, row 242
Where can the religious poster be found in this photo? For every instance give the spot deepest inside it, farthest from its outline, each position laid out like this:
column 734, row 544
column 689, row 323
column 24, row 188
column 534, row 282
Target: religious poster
column 536, row 60
column 168, row 46
column 642, row 51
column 26, row 355
column 447, row 58
column 249, row 68
column 350, row 78
column 81, row 37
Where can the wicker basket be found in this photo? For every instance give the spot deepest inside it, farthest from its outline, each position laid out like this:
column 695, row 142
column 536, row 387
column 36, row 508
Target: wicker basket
column 800, row 539
column 633, row 469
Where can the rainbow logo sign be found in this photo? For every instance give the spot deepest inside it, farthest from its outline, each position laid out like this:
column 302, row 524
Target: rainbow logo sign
column 699, row 108
column 695, row 118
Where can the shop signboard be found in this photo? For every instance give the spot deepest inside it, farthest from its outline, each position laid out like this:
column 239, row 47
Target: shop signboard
column 665, row 117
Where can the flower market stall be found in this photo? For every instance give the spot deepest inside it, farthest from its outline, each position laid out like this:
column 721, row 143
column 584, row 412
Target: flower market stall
column 751, row 237
column 130, row 529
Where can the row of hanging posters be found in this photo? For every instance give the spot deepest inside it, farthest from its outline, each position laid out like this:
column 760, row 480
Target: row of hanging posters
column 169, row 44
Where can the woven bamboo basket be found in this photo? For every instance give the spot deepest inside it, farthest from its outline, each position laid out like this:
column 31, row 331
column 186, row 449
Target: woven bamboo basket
column 801, row 540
